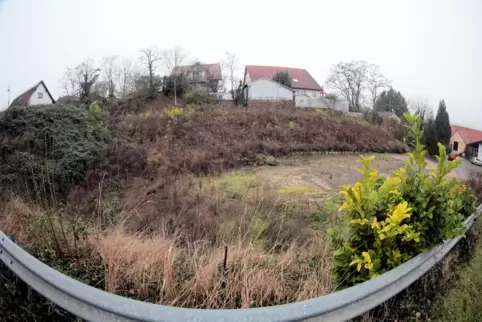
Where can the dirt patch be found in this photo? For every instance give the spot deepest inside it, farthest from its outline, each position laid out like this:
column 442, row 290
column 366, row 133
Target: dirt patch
column 321, row 173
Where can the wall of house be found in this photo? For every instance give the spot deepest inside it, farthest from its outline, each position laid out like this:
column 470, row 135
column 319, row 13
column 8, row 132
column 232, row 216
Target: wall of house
column 479, row 155
column 461, row 145
column 265, row 89
column 307, row 92
column 36, row 100
column 319, row 102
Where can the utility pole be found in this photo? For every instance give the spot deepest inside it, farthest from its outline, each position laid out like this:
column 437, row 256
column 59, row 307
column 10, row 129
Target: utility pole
column 8, row 96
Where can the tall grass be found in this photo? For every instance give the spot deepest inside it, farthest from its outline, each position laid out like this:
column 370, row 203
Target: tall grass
column 168, row 245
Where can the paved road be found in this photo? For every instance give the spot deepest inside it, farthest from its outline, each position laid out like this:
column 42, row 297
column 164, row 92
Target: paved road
column 462, row 172
column 466, row 169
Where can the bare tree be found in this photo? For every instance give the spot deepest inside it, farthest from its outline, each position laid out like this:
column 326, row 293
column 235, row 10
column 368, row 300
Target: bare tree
column 421, row 106
column 124, row 76
column 174, row 58
column 100, row 90
column 352, row 80
column 376, row 82
column 70, row 84
column 231, row 65
column 80, row 79
column 109, row 68
column 149, row 58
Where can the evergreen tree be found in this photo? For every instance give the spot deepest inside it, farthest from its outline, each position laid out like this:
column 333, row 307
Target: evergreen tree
column 391, row 101
column 283, row 78
column 442, row 124
column 430, row 136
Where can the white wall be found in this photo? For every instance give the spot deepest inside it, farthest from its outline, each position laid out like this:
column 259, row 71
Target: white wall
column 319, row 102
column 226, row 96
column 45, row 99
column 480, row 152
column 310, row 93
column 265, row 89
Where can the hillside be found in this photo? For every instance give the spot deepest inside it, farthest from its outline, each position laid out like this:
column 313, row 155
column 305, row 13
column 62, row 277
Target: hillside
column 142, row 198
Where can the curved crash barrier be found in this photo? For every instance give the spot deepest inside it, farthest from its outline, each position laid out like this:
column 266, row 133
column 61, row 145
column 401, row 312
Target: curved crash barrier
column 95, row 305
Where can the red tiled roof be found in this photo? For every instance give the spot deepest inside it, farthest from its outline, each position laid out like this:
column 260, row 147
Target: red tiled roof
column 214, row 70
column 301, row 78
column 468, row 135
column 23, row 98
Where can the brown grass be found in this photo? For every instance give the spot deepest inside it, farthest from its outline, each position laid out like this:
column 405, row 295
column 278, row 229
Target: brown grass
column 154, row 268
column 211, row 139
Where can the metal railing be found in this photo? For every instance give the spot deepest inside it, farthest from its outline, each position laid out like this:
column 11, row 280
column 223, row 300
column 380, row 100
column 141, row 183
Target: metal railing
column 95, row 305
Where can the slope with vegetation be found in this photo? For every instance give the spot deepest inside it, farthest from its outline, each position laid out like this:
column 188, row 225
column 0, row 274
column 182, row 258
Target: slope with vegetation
column 130, row 200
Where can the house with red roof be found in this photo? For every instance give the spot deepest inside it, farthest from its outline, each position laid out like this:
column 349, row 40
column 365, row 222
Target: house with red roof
column 302, row 82
column 466, row 140
column 199, row 75
column 35, row 95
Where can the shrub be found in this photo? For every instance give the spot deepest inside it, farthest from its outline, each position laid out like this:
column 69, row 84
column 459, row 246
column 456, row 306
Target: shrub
column 47, row 149
column 392, row 219
column 475, row 182
column 174, row 111
column 214, row 139
column 199, row 96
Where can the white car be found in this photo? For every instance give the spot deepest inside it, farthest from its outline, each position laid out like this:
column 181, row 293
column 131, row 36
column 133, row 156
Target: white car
column 476, row 161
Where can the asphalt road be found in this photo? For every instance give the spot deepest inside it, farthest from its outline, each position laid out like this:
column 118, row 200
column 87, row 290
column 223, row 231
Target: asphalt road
column 465, row 170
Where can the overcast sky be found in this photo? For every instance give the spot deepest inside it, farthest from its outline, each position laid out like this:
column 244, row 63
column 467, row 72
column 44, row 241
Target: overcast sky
column 429, row 49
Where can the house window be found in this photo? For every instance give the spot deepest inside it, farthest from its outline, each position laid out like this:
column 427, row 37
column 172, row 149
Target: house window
column 456, row 146
column 40, row 95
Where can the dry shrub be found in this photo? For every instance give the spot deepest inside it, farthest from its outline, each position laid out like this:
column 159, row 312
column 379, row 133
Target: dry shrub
column 154, row 268
column 194, row 210
column 16, row 217
column 210, row 140
column 475, row 182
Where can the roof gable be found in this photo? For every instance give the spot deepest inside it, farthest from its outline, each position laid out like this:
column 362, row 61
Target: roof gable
column 23, row 98
column 468, row 135
column 301, row 78
column 214, row 70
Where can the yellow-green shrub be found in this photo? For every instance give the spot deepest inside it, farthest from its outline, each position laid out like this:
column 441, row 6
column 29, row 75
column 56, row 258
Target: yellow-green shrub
column 174, row 111
column 392, row 219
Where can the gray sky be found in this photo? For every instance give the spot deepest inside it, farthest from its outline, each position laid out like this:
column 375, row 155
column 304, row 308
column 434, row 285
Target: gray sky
column 430, row 49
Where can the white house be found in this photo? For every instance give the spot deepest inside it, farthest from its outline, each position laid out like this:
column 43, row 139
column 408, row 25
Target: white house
column 267, row 89
column 36, row 95
column 208, row 76
column 302, row 82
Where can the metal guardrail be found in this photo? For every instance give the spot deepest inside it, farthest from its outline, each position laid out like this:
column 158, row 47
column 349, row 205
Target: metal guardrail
column 95, row 305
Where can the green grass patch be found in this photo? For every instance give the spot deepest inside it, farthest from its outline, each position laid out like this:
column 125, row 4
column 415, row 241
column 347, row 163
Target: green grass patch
column 463, row 302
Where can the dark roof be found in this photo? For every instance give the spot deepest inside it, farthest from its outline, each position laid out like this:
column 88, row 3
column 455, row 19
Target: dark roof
column 388, row 115
column 301, row 78
column 468, row 135
column 214, row 70
column 68, row 99
column 23, row 98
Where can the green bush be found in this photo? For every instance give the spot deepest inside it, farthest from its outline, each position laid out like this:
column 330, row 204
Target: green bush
column 199, row 96
column 392, row 219
column 47, row 149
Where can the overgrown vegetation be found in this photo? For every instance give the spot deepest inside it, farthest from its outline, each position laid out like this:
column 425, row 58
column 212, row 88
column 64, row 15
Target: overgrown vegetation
column 395, row 218
column 47, row 149
column 212, row 139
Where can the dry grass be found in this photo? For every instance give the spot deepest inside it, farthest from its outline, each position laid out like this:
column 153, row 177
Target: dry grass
column 154, row 268
column 168, row 247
